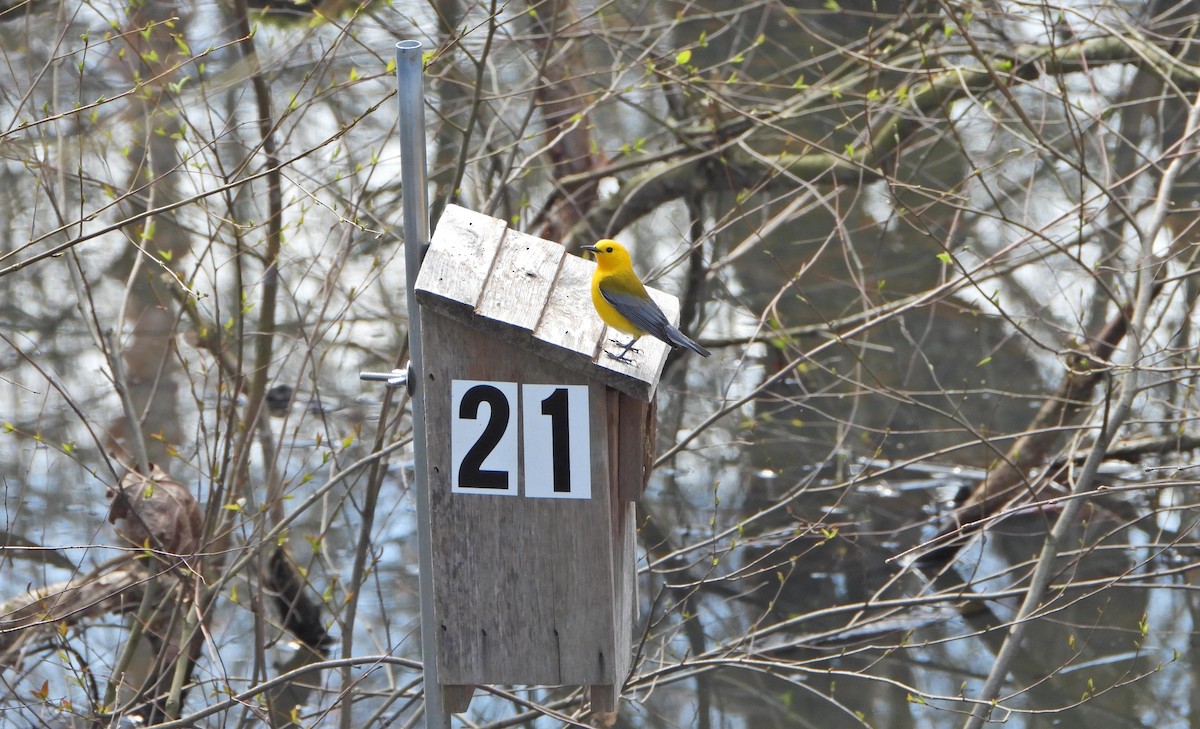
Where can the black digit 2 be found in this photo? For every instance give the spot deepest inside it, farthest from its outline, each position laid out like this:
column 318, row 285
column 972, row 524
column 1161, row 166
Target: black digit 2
column 471, row 474
column 560, row 439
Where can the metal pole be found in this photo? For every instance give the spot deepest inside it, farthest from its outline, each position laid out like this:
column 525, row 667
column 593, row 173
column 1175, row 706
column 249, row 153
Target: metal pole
column 411, row 95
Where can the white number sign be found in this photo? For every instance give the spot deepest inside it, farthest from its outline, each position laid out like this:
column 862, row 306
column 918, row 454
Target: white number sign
column 555, row 436
column 558, row 462
column 483, row 441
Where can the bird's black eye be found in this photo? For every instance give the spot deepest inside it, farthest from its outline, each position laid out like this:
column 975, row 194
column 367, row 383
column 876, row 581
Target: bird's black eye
column 608, row 250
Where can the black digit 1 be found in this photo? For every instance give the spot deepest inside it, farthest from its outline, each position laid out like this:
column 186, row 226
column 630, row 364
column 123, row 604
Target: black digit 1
column 471, row 474
column 560, row 439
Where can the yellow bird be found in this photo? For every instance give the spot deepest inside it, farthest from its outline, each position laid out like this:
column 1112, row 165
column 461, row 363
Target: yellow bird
column 622, row 302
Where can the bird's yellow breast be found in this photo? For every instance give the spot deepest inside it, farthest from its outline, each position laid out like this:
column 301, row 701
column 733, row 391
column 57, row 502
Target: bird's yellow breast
column 610, row 315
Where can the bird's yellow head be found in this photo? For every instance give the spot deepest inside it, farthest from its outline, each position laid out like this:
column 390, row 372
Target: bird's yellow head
column 610, row 255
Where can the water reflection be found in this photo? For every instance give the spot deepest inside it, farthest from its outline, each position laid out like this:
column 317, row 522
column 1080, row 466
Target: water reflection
column 904, row 628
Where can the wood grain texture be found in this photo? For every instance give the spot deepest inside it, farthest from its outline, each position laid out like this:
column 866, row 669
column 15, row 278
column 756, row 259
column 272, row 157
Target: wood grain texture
column 523, row 588
column 604, row 698
column 625, row 612
column 456, row 699
column 518, row 288
column 624, row 540
column 633, row 419
column 459, row 259
column 570, row 322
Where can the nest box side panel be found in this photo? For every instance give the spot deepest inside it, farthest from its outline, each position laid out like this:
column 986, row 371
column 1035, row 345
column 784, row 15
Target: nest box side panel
column 523, row 587
column 634, row 429
column 605, row 696
column 624, row 538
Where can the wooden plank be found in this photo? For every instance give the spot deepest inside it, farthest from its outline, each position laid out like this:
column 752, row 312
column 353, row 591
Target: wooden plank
column 523, row 587
column 649, row 447
column 624, row 536
column 458, row 261
column 604, row 699
column 570, row 321
column 635, row 423
column 624, row 541
column 517, row 290
column 456, row 698
column 625, row 615
column 612, row 406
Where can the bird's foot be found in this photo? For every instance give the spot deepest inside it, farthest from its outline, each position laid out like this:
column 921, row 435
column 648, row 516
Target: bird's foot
column 621, row 357
column 626, row 346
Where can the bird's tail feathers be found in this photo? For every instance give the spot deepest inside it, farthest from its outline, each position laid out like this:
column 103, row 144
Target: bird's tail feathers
column 679, row 339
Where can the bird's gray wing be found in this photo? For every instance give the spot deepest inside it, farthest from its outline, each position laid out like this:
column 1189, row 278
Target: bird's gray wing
column 642, row 312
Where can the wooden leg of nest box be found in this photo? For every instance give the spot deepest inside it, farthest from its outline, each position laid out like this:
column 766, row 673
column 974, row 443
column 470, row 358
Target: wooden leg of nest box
column 604, row 698
column 457, row 697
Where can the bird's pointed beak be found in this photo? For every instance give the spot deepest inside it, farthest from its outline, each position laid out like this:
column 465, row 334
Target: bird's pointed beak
column 589, row 249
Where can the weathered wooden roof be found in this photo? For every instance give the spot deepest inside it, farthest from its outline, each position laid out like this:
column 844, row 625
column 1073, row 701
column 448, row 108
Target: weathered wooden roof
column 531, row 292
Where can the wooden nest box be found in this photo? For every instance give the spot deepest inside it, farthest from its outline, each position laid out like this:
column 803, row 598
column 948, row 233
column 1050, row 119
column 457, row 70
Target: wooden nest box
column 538, row 446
